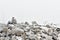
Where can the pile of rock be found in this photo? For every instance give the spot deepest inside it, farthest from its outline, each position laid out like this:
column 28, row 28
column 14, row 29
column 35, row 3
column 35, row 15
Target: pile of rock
column 25, row 31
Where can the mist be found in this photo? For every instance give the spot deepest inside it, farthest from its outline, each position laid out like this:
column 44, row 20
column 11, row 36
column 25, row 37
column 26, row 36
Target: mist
column 30, row 10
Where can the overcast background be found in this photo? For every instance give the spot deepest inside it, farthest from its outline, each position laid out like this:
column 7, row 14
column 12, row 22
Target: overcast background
column 30, row 10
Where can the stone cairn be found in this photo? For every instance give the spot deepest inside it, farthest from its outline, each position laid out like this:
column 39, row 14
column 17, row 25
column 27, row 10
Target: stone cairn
column 25, row 31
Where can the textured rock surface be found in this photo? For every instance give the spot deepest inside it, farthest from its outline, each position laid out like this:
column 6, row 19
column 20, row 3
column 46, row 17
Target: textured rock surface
column 25, row 31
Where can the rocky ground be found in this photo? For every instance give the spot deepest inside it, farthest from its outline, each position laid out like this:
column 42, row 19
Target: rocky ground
column 26, row 31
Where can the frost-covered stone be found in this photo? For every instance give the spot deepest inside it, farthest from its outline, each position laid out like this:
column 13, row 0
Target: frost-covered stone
column 26, row 31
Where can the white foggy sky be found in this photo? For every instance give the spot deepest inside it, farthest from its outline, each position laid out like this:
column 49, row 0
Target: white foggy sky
column 30, row 10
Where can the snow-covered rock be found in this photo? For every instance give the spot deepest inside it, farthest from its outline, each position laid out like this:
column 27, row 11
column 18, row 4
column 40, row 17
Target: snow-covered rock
column 25, row 31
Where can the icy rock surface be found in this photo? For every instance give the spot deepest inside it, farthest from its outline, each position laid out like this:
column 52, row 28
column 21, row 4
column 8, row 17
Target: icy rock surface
column 26, row 31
